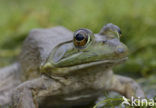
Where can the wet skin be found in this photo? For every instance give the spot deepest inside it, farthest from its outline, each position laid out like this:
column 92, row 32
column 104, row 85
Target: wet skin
column 61, row 68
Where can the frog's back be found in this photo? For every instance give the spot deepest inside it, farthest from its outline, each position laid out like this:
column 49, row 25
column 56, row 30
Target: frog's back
column 37, row 47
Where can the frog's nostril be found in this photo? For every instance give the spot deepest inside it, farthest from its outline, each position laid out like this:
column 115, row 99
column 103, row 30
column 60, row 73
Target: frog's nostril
column 120, row 50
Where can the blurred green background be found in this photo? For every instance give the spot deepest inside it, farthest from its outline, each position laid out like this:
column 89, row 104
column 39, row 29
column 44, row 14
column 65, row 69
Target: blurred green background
column 136, row 18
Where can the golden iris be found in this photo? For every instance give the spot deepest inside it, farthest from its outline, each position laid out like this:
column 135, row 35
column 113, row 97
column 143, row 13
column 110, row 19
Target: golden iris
column 80, row 39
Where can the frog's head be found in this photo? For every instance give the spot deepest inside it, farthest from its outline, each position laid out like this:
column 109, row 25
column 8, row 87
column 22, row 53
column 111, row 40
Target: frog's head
column 87, row 49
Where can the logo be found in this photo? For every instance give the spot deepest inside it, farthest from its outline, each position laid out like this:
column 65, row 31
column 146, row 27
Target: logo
column 125, row 102
column 138, row 101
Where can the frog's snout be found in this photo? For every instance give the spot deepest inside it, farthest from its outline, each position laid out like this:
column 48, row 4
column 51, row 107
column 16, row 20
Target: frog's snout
column 120, row 50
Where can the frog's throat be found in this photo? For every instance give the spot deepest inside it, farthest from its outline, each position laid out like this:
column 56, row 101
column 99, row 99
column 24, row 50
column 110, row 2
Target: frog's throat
column 57, row 71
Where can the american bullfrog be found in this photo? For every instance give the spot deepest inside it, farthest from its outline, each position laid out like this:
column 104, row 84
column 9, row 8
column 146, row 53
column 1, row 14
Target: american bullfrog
column 59, row 68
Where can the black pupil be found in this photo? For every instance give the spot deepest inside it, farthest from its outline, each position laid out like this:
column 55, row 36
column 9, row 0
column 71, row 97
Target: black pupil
column 119, row 31
column 79, row 37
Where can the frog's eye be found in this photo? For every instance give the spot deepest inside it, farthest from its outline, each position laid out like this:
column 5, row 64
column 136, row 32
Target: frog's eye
column 111, row 30
column 81, row 38
column 119, row 31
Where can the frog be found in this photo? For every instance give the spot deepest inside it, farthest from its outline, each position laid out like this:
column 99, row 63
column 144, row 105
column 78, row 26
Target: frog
column 58, row 68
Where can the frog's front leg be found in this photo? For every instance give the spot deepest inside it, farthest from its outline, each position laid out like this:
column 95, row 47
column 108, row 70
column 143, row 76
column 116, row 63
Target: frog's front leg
column 126, row 86
column 26, row 94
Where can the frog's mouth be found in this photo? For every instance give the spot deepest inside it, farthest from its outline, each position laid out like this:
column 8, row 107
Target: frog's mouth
column 108, row 62
column 61, row 71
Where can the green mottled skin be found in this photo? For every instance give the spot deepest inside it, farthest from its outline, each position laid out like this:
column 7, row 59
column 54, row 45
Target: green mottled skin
column 53, row 72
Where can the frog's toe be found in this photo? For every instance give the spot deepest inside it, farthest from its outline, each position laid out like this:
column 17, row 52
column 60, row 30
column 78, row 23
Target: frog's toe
column 127, row 87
